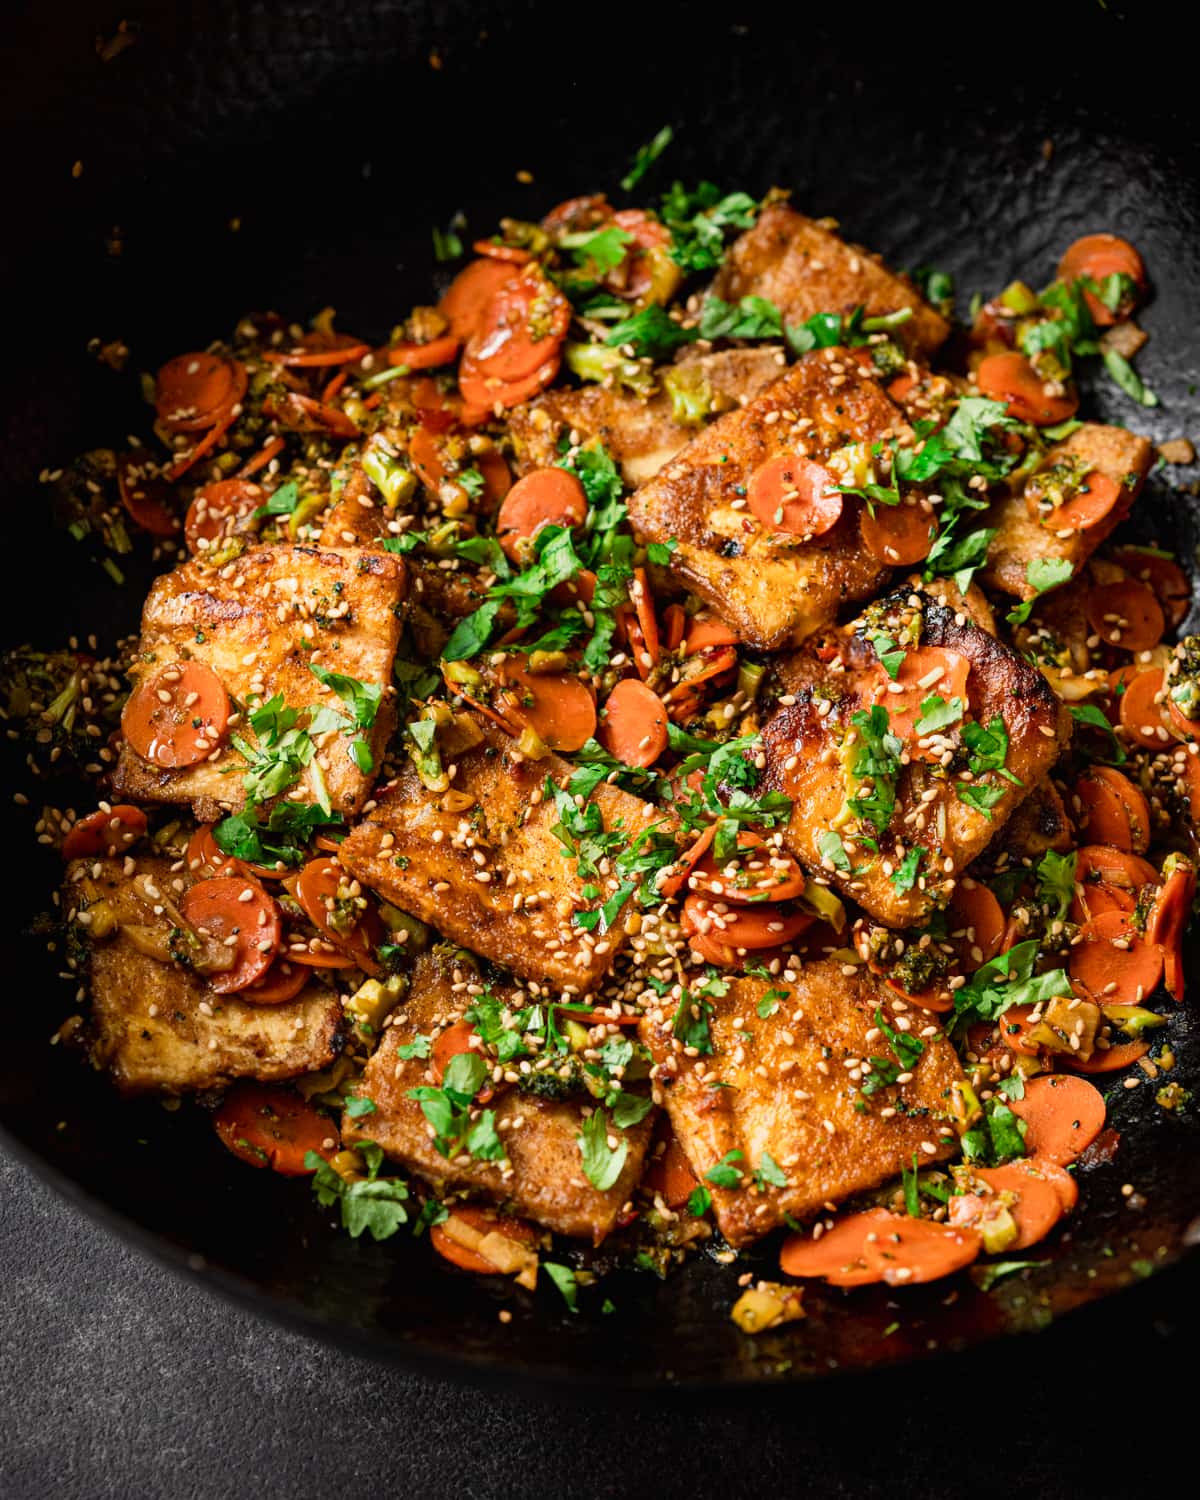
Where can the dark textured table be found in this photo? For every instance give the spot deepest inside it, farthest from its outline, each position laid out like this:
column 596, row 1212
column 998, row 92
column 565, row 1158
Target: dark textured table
column 119, row 1379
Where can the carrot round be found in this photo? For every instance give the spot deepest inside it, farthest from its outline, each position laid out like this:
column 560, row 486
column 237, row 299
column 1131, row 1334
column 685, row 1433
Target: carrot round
column 497, row 478
column 670, row 1175
column 523, row 325
column 1062, row 1115
column 675, row 622
column 1095, row 257
column 236, row 910
column 305, row 414
column 1163, row 575
column 1097, row 897
column 193, row 391
column 178, row 716
column 217, row 509
column 795, row 495
column 907, row 1251
column 424, row 356
column 633, row 726
column 838, row 1251
column 1109, row 1059
column 643, row 603
column 977, row 916
column 483, row 392
column 898, row 535
column 1169, row 917
column 925, row 672
column 1141, row 711
column 205, row 858
column 1096, row 497
column 105, row 833
column 759, row 872
column 1114, row 810
column 451, row 1043
column 1126, row 614
column 316, row 888
column 1113, row 963
column 467, row 299
column 1037, row 1206
column 1009, row 377
column 1114, row 867
column 750, row 927
column 267, row 1127
column 483, row 1221
column 934, row 999
column 707, row 631
column 146, row 498
column 282, row 982
column 515, row 255
column 712, row 950
column 672, row 883
column 557, row 706
column 544, row 497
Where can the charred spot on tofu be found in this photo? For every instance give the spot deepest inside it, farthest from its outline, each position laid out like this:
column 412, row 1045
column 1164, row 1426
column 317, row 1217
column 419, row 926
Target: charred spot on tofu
column 1025, row 521
column 160, row 1027
column 905, row 741
column 262, row 622
column 540, row 1171
column 771, row 584
column 484, row 864
column 804, row 268
column 806, row 1090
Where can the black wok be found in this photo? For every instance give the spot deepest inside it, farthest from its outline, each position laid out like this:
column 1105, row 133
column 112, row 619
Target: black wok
column 245, row 155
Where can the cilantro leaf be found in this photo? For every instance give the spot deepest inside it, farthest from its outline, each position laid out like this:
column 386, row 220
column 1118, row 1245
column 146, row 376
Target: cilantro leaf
column 700, row 222
column 1056, row 883
column 652, row 333
column 768, row 1173
column 724, row 1174
column 1042, row 574
column 1094, row 718
column 750, row 318
column 374, row 1204
column 699, row 1202
column 602, row 1163
column 831, row 848
column 566, row 1282
column 937, row 714
column 905, row 876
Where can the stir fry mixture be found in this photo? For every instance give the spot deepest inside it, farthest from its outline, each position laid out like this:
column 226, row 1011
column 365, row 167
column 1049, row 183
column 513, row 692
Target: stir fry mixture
column 669, row 749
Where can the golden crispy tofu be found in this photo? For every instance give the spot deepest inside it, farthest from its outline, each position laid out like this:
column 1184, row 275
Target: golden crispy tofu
column 358, row 518
column 260, row 622
column 162, row 1028
column 771, row 587
column 1040, row 823
column 1022, row 537
column 493, row 876
column 811, row 745
column 803, row 267
column 791, row 1087
column 543, row 1177
column 642, row 435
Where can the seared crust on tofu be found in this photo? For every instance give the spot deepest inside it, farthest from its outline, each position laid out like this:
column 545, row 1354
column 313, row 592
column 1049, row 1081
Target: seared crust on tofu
column 772, row 588
column 642, row 435
column 423, row 860
column 543, row 1178
column 1021, row 537
column 803, row 742
column 786, row 1081
column 256, row 622
column 1040, row 823
column 151, row 1031
column 804, row 268
column 359, row 518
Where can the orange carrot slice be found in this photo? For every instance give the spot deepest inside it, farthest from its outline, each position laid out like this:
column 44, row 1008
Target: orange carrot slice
column 837, row 1251
column 146, row 498
column 1036, row 1208
column 977, row 916
column 633, row 727
column 557, row 706
column 670, row 1175
column 282, row 982
column 1010, row 377
column 899, row 535
column 925, row 672
column 1062, row 1115
column 451, row 1043
column 470, row 293
column 1126, row 614
column 751, row 927
column 1095, row 257
column 705, row 631
column 1114, row 810
column 1169, row 917
column 267, row 1127
column 795, row 495
column 543, row 497
column 424, row 356
column 483, row 1221
column 105, row 833
column 217, row 511
column 178, row 716
column 316, row 889
column 1108, row 1059
column 234, row 907
column 670, row 884
column 1162, row 574
column 193, row 391
column 1112, row 963
column 909, row 1251
column 523, row 325
column 1141, row 711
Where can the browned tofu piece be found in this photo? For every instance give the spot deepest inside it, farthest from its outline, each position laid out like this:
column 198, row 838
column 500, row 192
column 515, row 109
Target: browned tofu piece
column 771, row 587
column 803, row 267
column 358, row 518
column 260, row 622
column 493, row 876
column 1021, row 536
column 642, row 435
column 811, row 743
column 543, row 1176
column 791, row 1087
column 1040, row 823
column 161, row 1028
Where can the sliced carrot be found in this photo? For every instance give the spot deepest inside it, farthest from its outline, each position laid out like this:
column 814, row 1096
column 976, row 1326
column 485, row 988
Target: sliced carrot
column 633, row 726
column 331, row 389
column 1062, row 1115
column 543, row 497
column 898, row 535
column 901, row 387
column 795, row 495
column 205, row 858
column 305, row 414
column 1141, row 711
column 675, row 623
column 262, row 458
column 1098, row 897
column 513, row 255
column 1114, row 810
column 1112, row 963
column 670, row 1175
column 451, row 1043
column 1114, row 867
column 217, row 511
column 705, row 632
column 557, row 706
column 910, row 1251
column 317, row 888
column 1096, row 497
column 1036, row 1208
column 1059, row 1178
column 483, row 1221
column 751, row 927
column 522, row 328
column 837, row 1251
column 470, row 293
column 712, row 950
column 178, row 716
column 282, row 982
column 184, row 461
column 975, row 912
column 147, row 499
column 428, row 356
column 1108, row 1059
column 670, row 884
column 1169, row 917
column 1126, row 614
column 266, row 1127
column 320, row 356
column 710, row 663
column 1163, row 575
column 193, row 391
column 1095, row 257
column 758, row 872
column 925, row 672
column 634, row 276
column 574, row 214
column 236, row 907
column 482, row 392
column 643, row 603
column 497, row 478
column 1009, row 377
column 105, row 833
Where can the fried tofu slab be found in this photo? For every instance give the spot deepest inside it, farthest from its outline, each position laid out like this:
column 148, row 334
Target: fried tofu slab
column 793, row 1087
column 260, row 622
column 492, row 874
column 804, row 268
column 820, row 756
column 161, row 1028
column 642, row 434
column 771, row 586
column 542, row 1177
column 1024, row 534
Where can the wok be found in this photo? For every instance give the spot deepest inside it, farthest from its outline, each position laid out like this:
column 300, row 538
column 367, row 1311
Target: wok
column 237, row 156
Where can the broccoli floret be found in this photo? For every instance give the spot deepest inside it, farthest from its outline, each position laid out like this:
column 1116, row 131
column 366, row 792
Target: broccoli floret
column 559, row 1081
column 918, row 968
